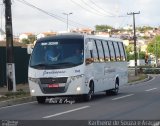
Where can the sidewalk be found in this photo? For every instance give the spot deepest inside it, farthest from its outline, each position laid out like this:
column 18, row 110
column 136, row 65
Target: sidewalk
column 24, row 87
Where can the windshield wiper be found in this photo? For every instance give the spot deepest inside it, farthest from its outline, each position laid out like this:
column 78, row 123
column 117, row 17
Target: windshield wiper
column 65, row 63
column 39, row 65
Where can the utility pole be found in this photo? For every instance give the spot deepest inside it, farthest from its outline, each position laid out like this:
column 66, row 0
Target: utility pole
column 156, row 54
column 10, row 66
column 67, row 14
column 134, row 38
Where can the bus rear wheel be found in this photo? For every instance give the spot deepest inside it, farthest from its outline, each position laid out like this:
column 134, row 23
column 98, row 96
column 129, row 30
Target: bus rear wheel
column 113, row 91
column 41, row 99
column 116, row 89
column 89, row 96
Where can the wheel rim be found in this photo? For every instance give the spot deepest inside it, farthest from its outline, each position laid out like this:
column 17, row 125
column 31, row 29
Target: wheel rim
column 91, row 92
column 116, row 88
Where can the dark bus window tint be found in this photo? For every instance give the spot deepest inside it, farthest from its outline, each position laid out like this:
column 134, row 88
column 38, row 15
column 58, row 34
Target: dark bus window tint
column 95, row 55
column 88, row 53
column 100, row 50
column 106, row 51
column 123, row 57
column 116, row 51
column 111, row 51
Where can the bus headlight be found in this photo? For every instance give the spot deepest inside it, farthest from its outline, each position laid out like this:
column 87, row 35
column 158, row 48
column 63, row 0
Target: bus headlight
column 78, row 88
column 33, row 91
column 77, row 77
column 73, row 78
column 35, row 80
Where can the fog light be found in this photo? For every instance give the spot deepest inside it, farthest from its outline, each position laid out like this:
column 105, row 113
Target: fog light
column 33, row 91
column 78, row 88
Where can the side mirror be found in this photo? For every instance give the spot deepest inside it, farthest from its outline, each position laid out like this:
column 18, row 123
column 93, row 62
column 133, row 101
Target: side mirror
column 90, row 46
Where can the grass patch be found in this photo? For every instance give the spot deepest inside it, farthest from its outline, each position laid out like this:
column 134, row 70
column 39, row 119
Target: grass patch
column 20, row 93
column 137, row 78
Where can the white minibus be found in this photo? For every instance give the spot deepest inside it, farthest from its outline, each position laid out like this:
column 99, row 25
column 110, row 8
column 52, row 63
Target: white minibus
column 76, row 65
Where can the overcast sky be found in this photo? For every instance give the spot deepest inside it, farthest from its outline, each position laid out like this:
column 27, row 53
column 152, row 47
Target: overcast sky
column 86, row 13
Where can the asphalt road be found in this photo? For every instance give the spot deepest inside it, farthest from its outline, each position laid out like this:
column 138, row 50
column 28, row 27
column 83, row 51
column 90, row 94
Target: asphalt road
column 134, row 102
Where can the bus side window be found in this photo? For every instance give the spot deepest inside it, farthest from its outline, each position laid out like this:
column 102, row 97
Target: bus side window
column 88, row 54
column 123, row 58
column 100, row 50
column 111, row 51
column 95, row 54
column 106, row 51
column 118, row 56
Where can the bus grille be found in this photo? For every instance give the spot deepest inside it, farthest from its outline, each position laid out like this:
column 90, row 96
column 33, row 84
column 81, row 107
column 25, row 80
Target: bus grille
column 53, row 80
column 44, row 82
column 47, row 90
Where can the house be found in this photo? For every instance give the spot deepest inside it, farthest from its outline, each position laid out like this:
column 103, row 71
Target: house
column 44, row 34
column 105, row 34
column 25, row 36
column 82, row 30
column 2, row 35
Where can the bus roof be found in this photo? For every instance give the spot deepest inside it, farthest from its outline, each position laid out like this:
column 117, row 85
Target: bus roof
column 60, row 36
column 77, row 36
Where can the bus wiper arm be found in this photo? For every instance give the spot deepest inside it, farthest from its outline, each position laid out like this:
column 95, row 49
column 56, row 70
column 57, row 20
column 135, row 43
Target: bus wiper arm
column 66, row 63
column 39, row 65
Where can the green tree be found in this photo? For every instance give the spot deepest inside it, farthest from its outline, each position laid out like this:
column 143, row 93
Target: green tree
column 131, row 56
column 145, row 28
column 142, row 55
column 154, row 46
column 129, row 48
column 103, row 27
column 25, row 41
column 31, row 39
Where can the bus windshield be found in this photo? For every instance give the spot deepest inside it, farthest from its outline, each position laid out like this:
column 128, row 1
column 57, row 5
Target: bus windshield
column 57, row 54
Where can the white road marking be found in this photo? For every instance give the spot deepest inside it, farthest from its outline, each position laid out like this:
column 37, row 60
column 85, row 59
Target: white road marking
column 151, row 89
column 17, row 105
column 61, row 113
column 122, row 97
column 156, row 124
column 150, row 80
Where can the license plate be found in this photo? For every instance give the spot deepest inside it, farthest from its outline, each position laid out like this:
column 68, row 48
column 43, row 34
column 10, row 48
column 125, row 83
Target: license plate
column 53, row 85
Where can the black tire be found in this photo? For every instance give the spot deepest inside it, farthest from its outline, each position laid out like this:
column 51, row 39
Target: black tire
column 115, row 91
column 108, row 92
column 89, row 96
column 41, row 100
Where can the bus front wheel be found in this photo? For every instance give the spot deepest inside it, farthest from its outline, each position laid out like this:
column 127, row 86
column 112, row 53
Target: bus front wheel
column 89, row 96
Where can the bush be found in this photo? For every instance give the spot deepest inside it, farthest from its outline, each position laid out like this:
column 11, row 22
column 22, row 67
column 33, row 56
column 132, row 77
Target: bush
column 151, row 71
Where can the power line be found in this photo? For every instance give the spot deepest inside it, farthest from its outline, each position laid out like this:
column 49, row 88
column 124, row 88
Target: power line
column 102, row 8
column 97, row 11
column 73, row 23
column 85, row 8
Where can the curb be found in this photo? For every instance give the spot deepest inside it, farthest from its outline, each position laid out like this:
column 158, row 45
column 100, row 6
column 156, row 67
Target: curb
column 140, row 81
column 16, row 101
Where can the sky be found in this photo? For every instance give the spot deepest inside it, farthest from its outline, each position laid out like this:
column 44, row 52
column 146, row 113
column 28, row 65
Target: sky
column 85, row 14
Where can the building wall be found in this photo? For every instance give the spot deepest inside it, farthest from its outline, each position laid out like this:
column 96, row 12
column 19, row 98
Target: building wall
column 21, row 59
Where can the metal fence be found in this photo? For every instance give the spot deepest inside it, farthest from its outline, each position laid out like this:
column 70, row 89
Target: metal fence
column 21, row 59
